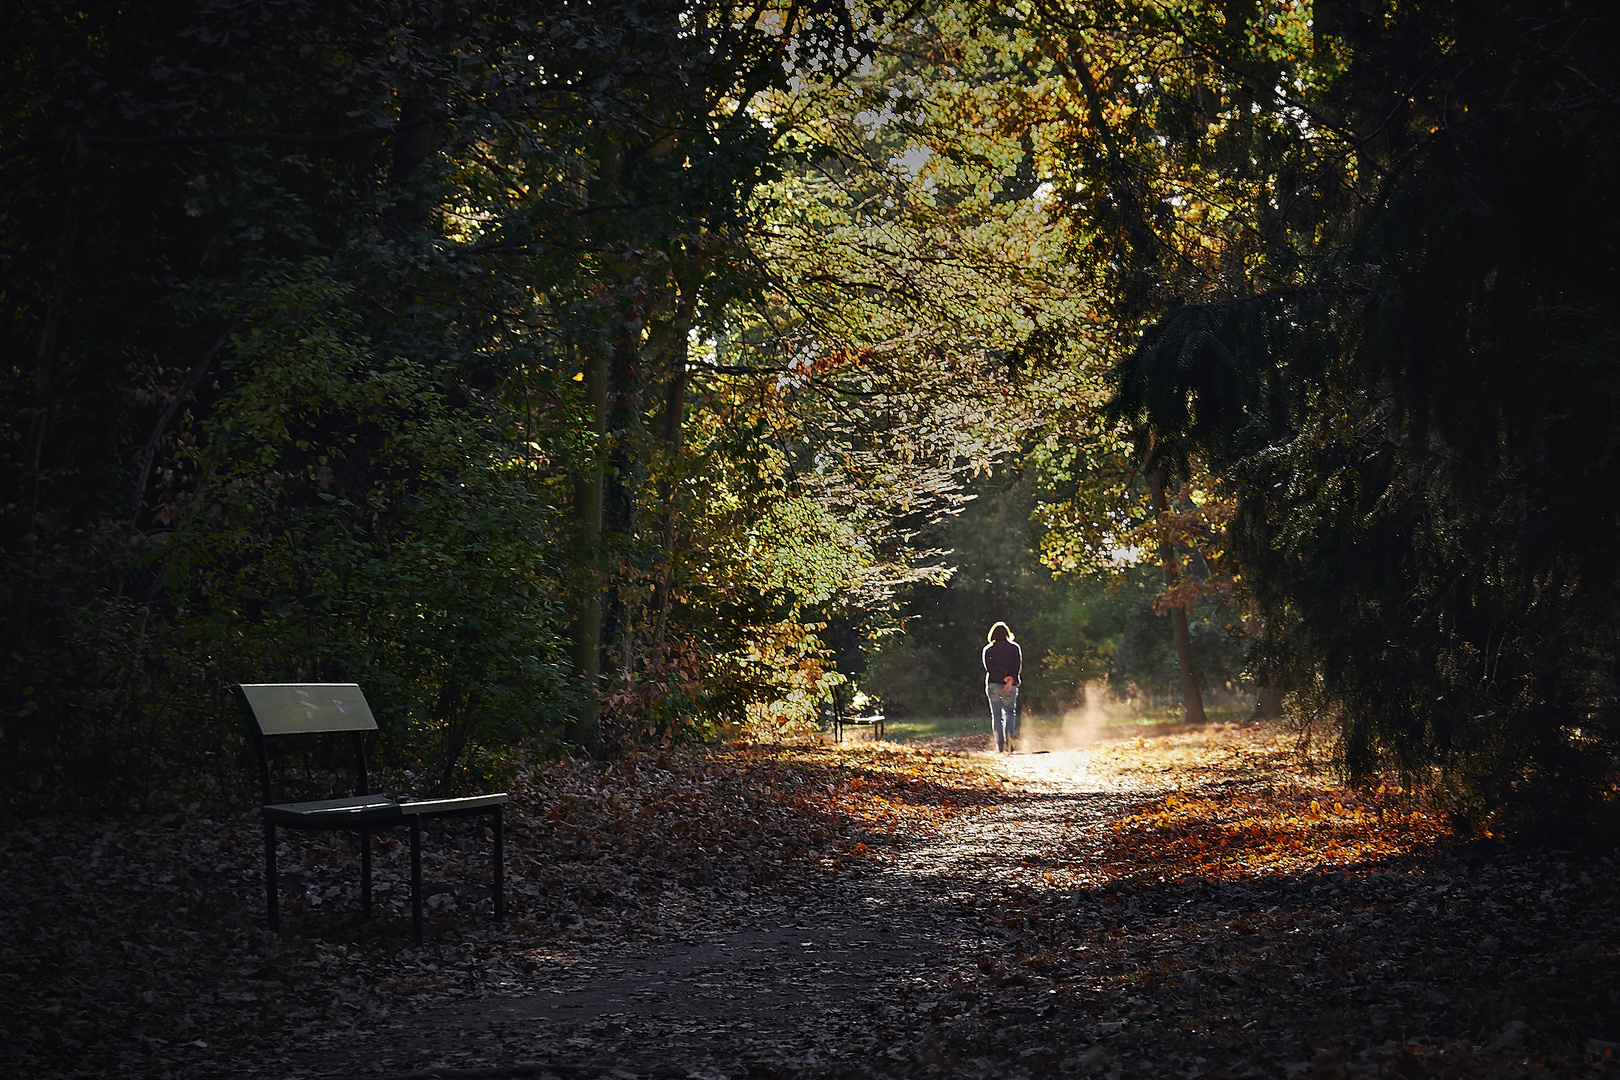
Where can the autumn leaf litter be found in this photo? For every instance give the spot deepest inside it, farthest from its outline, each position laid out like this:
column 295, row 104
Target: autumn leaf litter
column 1192, row 905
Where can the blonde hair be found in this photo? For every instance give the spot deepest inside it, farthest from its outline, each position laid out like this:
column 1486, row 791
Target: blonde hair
column 1006, row 632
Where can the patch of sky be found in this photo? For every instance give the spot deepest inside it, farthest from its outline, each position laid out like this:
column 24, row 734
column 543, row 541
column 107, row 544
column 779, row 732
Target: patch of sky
column 874, row 121
column 800, row 368
column 1293, row 114
column 912, row 161
column 702, row 348
column 1126, row 556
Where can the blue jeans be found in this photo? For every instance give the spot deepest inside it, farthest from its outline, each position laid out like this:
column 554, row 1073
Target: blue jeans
column 1003, row 714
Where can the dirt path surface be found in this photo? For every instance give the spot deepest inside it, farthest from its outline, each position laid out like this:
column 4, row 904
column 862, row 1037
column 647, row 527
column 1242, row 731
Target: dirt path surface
column 835, row 982
column 1174, row 907
column 1193, row 905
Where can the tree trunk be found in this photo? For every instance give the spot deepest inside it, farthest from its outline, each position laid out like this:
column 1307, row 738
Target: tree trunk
column 668, row 490
column 62, row 284
column 589, row 485
column 419, row 137
column 172, row 406
column 1192, row 698
column 626, row 473
column 590, row 491
column 457, row 717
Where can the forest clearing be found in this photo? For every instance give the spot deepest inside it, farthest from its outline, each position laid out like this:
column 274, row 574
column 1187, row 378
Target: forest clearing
column 1197, row 904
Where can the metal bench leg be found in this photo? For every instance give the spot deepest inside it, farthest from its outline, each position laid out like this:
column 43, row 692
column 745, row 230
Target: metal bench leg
column 500, row 880
column 270, row 912
column 416, row 879
column 365, row 874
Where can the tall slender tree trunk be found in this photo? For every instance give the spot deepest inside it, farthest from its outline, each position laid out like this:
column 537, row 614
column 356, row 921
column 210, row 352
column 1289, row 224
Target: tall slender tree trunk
column 589, row 485
column 62, row 284
column 172, row 406
column 626, row 473
column 1192, row 698
column 668, row 490
column 419, row 137
column 590, row 488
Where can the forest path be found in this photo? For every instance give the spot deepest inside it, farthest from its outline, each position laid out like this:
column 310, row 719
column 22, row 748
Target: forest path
column 831, row 984
column 1195, row 904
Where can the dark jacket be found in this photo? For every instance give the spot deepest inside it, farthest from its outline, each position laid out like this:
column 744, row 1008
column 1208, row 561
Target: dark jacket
column 1001, row 659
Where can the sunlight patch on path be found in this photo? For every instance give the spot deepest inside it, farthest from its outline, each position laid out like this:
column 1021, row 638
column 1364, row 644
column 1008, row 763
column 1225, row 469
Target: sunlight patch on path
column 1046, row 833
column 1075, row 770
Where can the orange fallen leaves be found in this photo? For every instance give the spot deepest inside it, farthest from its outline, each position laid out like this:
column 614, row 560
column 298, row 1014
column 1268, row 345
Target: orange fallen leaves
column 1248, row 948
column 895, row 790
column 1272, row 819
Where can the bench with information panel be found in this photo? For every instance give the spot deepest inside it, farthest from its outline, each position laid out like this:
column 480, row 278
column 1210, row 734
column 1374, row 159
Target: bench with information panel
column 279, row 710
column 841, row 719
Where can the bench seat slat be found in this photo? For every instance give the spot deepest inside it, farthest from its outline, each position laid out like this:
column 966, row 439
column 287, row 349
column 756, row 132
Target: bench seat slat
column 447, row 807
column 333, row 813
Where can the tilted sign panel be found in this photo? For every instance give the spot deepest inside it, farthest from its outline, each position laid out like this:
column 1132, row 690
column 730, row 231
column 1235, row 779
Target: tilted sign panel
column 294, row 708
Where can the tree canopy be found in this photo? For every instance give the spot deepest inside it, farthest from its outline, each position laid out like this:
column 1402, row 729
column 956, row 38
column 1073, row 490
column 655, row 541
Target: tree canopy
column 607, row 372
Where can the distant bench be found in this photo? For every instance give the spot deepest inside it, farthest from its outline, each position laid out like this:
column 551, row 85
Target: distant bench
column 842, row 719
column 278, row 710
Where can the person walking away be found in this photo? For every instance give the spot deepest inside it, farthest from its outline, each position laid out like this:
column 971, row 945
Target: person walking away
column 1003, row 664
